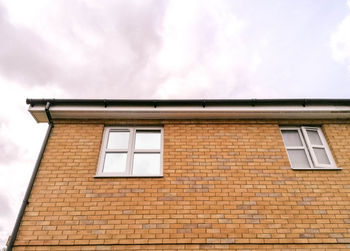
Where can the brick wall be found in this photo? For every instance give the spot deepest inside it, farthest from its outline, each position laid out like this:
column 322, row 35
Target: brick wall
column 227, row 185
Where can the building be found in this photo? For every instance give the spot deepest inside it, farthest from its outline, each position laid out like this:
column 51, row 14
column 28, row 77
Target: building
column 189, row 175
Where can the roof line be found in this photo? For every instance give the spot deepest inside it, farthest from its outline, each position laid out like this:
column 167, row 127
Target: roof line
column 188, row 102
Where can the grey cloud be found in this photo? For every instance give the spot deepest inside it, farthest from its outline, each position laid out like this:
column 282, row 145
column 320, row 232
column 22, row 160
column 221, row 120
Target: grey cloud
column 123, row 64
column 6, row 218
column 9, row 151
column 113, row 47
column 5, row 208
column 24, row 56
column 130, row 36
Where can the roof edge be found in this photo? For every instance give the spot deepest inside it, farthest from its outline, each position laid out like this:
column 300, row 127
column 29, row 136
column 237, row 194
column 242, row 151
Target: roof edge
column 44, row 110
column 188, row 102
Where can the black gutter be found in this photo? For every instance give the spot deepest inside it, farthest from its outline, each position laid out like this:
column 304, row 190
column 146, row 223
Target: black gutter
column 189, row 102
column 25, row 201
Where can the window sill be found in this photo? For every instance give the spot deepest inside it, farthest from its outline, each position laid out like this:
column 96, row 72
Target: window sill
column 127, row 176
column 317, row 169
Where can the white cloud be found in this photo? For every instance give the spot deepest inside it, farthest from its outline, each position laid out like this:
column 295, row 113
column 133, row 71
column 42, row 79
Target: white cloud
column 148, row 49
column 77, row 43
column 20, row 141
column 340, row 41
column 203, row 52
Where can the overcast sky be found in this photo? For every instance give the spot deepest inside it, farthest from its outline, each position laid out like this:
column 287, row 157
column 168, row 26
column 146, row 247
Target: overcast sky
column 158, row 49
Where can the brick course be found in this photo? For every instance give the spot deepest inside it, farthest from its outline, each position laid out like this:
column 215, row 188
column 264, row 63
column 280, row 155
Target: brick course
column 226, row 185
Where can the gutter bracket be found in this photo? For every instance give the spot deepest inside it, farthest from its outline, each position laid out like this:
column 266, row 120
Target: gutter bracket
column 253, row 102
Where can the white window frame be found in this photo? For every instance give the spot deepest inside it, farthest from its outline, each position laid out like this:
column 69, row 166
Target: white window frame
column 130, row 151
column 307, row 146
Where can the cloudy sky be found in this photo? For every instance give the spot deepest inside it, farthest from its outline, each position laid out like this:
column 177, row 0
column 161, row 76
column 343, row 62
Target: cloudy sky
column 158, row 49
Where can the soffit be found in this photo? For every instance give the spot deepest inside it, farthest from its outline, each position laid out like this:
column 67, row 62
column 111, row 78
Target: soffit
column 144, row 111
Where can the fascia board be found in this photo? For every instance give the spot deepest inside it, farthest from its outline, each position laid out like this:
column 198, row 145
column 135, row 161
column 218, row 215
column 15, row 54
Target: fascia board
column 191, row 112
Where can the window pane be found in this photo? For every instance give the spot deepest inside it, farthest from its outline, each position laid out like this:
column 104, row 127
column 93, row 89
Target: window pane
column 291, row 138
column 115, row 163
column 314, row 137
column 118, row 140
column 147, row 140
column 298, row 159
column 321, row 156
column 146, row 164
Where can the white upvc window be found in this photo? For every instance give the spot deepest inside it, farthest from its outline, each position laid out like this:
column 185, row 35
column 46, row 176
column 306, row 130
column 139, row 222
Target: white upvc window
column 131, row 152
column 307, row 148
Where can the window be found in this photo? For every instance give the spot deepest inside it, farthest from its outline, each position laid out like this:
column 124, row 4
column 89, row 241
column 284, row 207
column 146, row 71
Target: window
column 132, row 152
column 307, row 148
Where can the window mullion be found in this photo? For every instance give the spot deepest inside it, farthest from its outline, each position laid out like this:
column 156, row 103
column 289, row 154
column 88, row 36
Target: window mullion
column 131, row 150
column 307, row 144
column 310, row 145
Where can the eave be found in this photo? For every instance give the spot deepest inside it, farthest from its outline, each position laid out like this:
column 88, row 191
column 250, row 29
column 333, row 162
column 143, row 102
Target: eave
column 190, row 109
